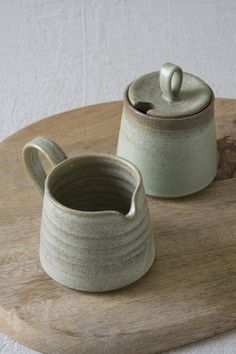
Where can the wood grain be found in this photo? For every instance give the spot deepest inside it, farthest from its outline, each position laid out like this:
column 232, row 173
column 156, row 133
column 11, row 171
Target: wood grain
column 189, row 293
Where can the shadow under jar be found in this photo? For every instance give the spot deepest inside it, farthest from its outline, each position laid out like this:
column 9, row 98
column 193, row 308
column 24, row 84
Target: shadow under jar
column 95, row 229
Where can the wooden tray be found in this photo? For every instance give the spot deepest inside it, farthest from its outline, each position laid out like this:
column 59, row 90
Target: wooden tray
column 189, row 293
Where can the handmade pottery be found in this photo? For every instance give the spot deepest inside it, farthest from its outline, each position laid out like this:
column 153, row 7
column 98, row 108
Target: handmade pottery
column 168, row 131
column 95, row 229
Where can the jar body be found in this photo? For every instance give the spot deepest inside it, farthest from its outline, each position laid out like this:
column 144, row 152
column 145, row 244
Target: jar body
column 173, row 162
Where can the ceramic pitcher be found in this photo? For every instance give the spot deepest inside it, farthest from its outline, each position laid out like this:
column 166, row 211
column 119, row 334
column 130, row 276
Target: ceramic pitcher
column 168, row 131
column 95, row 229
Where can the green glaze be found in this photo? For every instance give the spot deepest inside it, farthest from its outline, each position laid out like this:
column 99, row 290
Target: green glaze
column 173, row 163
column 176, row 153
column 170, row 92
column 95, row 229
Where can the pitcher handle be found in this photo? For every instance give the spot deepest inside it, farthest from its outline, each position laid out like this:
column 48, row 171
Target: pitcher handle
column 32, row 161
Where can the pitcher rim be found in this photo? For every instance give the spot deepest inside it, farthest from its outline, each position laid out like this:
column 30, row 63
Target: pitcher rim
column 115, row 159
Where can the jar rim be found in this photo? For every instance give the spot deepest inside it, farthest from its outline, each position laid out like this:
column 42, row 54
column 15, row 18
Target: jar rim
column 169, row 123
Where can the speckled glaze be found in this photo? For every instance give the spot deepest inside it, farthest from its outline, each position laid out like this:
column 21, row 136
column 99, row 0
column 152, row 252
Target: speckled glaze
column 176, row 156
column 95, row 229
column 170, row 92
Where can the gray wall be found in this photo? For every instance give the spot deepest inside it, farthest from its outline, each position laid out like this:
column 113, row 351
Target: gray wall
column 58, row 55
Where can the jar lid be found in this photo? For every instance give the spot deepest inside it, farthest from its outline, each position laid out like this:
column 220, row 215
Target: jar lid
column 169, row 93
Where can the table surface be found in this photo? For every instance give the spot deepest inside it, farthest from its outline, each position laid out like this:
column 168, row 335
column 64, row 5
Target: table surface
column 59, row 55
column 34, row 294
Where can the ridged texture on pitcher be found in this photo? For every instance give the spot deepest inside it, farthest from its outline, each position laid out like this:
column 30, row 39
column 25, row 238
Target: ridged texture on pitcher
column 95, row 231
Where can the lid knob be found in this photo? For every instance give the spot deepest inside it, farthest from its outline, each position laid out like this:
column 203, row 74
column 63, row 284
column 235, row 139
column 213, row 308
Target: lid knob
column 171, row 77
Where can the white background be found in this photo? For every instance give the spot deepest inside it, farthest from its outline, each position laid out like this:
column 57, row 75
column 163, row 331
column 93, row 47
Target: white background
column 56, row 55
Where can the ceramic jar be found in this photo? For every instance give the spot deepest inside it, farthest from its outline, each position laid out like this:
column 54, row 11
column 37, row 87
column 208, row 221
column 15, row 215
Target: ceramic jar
column 168, row 131
column 95, row 229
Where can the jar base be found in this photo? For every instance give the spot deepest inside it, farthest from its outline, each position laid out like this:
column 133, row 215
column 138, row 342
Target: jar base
column 171, row 196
